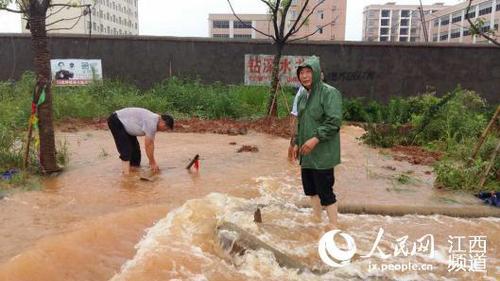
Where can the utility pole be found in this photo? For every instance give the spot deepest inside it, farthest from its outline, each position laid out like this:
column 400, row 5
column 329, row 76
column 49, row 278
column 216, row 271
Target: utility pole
column 422, row 19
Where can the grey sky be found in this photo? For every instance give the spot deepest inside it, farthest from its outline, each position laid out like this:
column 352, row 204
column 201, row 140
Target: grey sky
column 190, row 17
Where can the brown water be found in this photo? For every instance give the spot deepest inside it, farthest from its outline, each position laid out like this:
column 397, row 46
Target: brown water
column 93, row 224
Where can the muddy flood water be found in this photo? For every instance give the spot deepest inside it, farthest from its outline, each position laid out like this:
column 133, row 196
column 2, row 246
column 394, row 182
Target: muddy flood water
column 91, row 223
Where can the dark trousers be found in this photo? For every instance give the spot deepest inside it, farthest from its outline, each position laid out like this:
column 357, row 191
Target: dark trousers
column 319, row 182
column 127, row 145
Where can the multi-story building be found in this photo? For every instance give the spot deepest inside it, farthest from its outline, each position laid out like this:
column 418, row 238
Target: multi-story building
column 327, row 22
column 228, row 26
column 397, row 23
column 451, row 25
column 112, row 17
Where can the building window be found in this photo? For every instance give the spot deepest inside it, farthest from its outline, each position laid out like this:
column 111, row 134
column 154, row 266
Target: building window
column 321, row 15
column 244, row 24
column 444, row 37
column 384, row 39
column 403, row 31
column 445, row 21
column 485, row 11
column 486, row 27
column 405, row 22
column 243, row 36
column 455, row 34
column 498, row 7
column 466, row 32
column 471, row 14
column 403, row 39
column 221, row 35
column 221, row 24
column 434, row 38
column 436, row 22
column 485, row 8
column 405, row 13
column 384, row 31
column 384, row 22
column 386, row 13
column 456, row 19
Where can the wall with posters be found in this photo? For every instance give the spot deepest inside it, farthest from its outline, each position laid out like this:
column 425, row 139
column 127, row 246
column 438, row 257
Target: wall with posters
column 372, row 70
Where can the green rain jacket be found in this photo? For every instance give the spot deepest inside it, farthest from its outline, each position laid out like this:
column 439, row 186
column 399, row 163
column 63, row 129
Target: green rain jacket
column 319, row 115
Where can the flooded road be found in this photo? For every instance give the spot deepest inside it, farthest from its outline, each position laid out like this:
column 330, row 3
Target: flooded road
column 91, row 223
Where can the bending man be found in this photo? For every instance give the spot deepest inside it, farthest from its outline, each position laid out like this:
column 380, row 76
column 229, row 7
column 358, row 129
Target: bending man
column 129, row 123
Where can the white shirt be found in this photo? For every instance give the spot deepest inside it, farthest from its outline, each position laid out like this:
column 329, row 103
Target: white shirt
column 138, row 121
column 295, row 110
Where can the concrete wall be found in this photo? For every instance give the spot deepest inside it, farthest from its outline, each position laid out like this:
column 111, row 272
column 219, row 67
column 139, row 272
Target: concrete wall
column 377, row 71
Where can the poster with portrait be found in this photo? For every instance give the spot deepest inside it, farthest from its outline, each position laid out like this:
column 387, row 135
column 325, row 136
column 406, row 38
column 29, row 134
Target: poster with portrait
column 75, row 72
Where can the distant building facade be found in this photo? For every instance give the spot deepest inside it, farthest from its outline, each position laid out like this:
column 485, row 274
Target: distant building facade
column 111, row 17
column 396, row 23
column 327, row 22
column 451, row 25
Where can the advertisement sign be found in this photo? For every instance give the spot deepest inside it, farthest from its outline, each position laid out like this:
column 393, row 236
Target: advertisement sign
column 259, row 68
column 75, row 72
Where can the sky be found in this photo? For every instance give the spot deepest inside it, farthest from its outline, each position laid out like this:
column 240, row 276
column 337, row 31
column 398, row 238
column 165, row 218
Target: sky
column 189, row 18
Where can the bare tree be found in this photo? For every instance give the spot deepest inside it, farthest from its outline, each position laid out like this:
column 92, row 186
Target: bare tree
column 477, row 27
column 282, row 35
column 35, row 14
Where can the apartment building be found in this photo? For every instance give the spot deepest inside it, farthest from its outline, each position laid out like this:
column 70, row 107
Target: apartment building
column 111, row 17
column 451, row 25
column 228, row 26
column 327, row 21
column 397, row 23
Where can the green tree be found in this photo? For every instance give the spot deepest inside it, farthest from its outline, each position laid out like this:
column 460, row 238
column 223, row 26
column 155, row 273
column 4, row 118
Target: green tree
column 37, row 14
column 279, row 11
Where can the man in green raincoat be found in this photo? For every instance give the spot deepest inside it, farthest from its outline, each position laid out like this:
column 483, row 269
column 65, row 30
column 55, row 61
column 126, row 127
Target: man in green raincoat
column 317, row 139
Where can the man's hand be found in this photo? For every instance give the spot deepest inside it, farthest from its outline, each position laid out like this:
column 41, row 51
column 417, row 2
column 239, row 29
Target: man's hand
column 310, row 144
column 150, row 152
column 293, row 152
column 154, row 167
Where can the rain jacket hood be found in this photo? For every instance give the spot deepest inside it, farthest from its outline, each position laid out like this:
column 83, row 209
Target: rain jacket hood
column 312, row 63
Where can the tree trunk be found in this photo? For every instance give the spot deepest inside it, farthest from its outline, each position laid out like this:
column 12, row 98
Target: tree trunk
column 43, row 79
column 272, row 106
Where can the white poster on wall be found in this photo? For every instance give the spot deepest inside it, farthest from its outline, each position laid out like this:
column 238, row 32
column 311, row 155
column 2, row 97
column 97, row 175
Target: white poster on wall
column 75, row 72
column 259, row 68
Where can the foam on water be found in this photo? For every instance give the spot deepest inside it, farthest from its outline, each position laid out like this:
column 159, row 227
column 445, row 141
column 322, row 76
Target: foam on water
column 184, row 244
